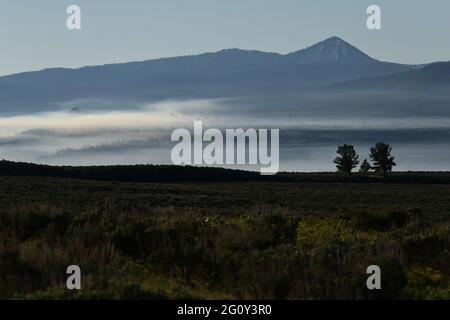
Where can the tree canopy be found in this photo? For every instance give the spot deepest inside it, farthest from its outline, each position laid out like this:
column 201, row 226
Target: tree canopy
column 380, row 155
column 347, row 159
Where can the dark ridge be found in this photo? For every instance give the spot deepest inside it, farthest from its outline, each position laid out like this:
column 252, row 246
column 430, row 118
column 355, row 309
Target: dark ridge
column 173, row 174
column 133, row 173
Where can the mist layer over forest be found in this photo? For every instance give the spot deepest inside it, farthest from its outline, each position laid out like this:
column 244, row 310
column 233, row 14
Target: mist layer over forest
column 308, row 139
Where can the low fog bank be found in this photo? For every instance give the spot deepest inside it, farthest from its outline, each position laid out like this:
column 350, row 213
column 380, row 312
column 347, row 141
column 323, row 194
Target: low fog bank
column 308, row 137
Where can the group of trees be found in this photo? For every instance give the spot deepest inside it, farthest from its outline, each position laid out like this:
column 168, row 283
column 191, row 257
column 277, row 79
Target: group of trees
column 380, row 156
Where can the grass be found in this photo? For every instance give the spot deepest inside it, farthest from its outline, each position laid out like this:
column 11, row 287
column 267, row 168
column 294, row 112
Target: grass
column 242, row 240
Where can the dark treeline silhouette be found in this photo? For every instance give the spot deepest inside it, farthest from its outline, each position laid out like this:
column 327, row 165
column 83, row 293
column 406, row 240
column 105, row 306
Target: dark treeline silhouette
column 167, row 174
column 133, row 173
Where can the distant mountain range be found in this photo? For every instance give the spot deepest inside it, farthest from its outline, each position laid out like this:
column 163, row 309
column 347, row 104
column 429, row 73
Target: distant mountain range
column 332, row 64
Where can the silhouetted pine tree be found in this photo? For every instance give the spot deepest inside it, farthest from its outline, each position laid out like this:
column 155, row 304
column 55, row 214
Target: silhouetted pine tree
column 347, row 160
column 380, row 155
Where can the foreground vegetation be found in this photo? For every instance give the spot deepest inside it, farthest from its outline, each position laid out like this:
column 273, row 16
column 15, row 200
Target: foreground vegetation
column 246, row 239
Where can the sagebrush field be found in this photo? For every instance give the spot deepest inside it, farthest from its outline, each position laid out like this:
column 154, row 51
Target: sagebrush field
column 243, row 239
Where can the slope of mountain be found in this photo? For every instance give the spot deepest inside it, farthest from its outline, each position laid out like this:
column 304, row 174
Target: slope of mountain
column 226, row 73
column 419, row 93
column 433, row 78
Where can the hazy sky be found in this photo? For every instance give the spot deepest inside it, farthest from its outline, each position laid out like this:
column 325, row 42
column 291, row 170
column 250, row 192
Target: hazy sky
column 33, row 34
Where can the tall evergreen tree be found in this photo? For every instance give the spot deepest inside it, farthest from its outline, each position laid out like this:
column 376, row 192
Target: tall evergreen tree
column 347, row 159
column 380, row 155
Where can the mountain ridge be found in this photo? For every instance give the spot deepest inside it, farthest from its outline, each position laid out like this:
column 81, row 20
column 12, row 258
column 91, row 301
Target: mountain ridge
column 212, row 53
column 225, row 73
column 434, row 76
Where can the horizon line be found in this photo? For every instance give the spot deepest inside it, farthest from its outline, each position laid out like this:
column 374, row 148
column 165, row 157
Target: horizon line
column 211, row 52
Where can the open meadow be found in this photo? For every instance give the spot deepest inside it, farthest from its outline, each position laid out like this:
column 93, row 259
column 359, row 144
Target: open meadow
column 265, row 239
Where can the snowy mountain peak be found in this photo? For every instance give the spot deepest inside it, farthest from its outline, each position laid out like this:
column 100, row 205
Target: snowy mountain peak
column 333, row 49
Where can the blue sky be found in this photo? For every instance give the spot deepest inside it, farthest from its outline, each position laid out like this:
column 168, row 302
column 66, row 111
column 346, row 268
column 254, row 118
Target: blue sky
column 33, row 34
